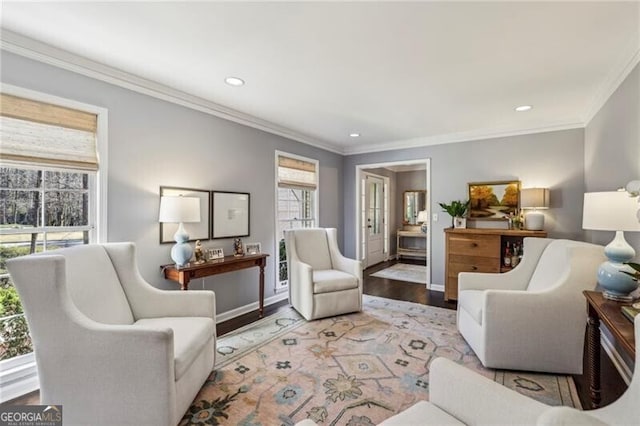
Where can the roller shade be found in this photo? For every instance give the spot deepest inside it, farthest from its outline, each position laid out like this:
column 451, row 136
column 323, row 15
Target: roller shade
column 37, row 133
column 296, row 174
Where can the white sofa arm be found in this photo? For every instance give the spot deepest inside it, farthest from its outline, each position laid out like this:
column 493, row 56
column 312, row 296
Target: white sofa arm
column 147, row 301
column 566, row 416
column 149, row 364
column 476, row 400
column 485, row 281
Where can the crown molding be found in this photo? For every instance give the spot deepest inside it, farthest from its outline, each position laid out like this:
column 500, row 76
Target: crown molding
column 45, row 53
column 461, row 137
column 615, row 78
column 42, row 52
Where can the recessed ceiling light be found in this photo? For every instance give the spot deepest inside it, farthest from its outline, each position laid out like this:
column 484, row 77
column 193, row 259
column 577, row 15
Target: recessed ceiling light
column 354, row 135
column 234, row 81
column 522, row 108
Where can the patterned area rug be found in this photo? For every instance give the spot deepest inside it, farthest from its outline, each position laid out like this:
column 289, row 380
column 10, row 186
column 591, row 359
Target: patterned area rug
column 404, row 272
column 356, row 369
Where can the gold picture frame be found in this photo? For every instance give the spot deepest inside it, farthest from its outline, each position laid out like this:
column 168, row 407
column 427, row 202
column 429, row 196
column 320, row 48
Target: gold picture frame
column 493, row 200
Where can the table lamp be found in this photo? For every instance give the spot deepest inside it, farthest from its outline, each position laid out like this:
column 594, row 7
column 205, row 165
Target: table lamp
column 613, row 211
column 423, row 218
column 179, row 209
column 534, row 198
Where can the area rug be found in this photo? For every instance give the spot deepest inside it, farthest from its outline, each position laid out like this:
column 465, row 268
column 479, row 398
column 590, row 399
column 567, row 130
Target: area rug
column 404, row 272
column 355, row 369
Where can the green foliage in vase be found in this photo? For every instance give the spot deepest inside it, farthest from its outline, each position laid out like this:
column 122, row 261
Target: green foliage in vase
column 636, row 271
column 457, row 208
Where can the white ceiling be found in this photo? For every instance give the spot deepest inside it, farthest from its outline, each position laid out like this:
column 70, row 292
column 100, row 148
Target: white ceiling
column 400, row 74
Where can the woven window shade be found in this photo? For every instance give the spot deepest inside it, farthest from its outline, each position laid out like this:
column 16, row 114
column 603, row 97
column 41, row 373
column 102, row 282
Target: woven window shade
column 36, row 133
column 296, row 174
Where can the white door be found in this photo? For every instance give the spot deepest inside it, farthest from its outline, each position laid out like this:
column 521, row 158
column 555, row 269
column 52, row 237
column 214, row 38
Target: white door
column 374, row 214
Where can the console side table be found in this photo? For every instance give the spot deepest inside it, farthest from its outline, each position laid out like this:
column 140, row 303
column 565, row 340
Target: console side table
column 219, row 266
column 601, row 310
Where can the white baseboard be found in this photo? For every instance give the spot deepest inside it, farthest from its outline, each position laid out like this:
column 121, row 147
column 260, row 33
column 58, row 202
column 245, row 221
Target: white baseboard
column 437, row 287
column 250, row 307
column 18, row 376
column 616, row 359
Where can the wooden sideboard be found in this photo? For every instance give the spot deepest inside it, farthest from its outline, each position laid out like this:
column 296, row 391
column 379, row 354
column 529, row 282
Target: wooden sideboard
column 477, row 250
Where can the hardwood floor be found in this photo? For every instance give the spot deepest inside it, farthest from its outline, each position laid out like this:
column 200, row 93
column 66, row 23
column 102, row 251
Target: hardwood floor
column 402, row 290
column 612, row 384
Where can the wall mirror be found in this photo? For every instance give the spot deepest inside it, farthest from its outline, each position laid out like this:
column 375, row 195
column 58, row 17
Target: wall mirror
column 230, row 214
column 414, row 202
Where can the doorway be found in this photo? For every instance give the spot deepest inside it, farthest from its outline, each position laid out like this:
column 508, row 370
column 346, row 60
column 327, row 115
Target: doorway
column 375, row 210
column 380, row 213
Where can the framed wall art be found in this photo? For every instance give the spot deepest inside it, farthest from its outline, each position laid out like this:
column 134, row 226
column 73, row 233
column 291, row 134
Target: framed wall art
column 230, row 214
column 197, row 231
column 252, row 248
column 493, row 200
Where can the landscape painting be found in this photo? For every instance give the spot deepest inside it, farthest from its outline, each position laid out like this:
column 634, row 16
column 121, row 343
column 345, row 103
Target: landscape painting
column 493, row 200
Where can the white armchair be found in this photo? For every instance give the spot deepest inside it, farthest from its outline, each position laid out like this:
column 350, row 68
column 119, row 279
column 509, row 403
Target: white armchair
column 322, row 282
column 109, row 347
column 531, row 318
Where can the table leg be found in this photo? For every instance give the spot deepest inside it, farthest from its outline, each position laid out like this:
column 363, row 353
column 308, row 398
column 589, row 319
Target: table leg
column 262, row 288
column 593, row 358
column 184, row 279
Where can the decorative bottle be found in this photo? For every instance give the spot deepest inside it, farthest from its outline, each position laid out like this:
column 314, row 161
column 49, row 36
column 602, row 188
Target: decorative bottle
column 514, row 256
column 507, row 256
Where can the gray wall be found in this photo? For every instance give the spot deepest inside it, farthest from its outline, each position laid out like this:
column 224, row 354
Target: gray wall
column 147, row 136
column 154, row 142
column 612, row 148
column 554, row 160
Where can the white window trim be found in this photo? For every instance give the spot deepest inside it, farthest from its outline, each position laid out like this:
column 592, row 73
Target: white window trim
column 102, row 146
column 19, row 375
column 316, row 209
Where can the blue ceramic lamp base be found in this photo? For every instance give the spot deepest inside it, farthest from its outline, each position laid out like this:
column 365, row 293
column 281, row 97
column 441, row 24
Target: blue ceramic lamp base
column 181, row 252
column 616, row 284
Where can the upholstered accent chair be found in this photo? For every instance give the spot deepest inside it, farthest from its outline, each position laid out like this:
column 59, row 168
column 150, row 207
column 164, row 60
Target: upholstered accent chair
column 459, row 396
column 322, row 282
column 533, row 317
column 111, row 348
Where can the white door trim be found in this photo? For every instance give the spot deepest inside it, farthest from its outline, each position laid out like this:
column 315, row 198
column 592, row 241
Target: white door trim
column 360, row 169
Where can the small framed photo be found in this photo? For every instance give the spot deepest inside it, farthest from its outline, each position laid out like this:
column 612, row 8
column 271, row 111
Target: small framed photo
column 252, row 248
column 215, row 253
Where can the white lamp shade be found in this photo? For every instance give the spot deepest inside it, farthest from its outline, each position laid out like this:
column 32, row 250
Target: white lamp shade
column 177, row 209
column 610, row 211
column 534, row 198
column 422, row 216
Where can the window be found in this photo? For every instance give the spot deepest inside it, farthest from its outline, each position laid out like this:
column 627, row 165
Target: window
column 49, row 194
column 296, row 203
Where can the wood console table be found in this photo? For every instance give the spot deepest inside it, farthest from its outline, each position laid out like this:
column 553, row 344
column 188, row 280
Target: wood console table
column 608, row 312
column 219, row 266
column 416, row 248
